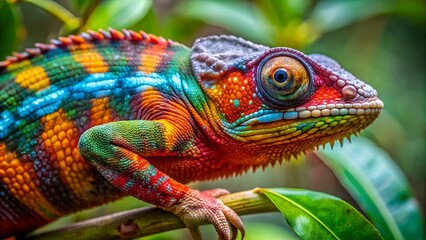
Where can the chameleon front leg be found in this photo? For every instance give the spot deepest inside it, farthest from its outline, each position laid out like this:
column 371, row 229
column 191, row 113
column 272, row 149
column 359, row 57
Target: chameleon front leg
column 119, row 150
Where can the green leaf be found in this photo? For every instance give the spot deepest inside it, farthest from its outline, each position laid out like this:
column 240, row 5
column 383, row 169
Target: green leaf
column 315, row 215
column 379, row 187
column 235, row 16
column 118, row 14
column 281, row 13
column 72, row 23
column 265, row 230
column 81, row 5
column 333, row 14
column 8, row 29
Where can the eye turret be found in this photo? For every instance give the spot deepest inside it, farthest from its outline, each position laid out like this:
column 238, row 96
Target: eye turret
column 284, row 80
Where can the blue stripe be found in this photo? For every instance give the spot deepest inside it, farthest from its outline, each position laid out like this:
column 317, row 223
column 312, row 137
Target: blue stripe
column 291, row 115
column 6, row 120
column 272, row 117
column 48, row 101
column 95, row 85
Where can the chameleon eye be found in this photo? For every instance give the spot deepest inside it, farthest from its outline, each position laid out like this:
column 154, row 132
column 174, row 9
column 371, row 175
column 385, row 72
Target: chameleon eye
column 280, row 75
column 284, row 81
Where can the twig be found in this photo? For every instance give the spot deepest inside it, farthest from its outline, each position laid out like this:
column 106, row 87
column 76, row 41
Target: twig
column 146, row 221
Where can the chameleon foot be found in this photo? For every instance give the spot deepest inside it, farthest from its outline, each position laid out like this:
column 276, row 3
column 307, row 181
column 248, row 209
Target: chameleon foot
column 197, row 208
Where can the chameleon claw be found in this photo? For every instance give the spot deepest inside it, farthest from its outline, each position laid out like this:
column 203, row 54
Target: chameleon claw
column 234, row 232
column 235, row 222
column 195, row 233
column 197, row 208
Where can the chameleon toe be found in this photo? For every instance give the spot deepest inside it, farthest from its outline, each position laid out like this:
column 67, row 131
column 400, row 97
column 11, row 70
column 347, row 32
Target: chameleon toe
column 197, row 208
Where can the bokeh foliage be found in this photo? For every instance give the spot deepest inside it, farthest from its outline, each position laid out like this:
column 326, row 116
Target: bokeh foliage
column 381, row 41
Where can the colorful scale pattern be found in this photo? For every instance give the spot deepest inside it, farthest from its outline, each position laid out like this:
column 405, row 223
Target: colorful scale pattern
column 61, row 129
column 49, row 96
column 235, row 95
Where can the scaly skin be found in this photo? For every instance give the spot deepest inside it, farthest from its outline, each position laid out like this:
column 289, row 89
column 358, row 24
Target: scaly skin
column 90, row 118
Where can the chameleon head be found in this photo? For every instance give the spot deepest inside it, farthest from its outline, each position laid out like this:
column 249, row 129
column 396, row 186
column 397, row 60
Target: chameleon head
column 279, row 96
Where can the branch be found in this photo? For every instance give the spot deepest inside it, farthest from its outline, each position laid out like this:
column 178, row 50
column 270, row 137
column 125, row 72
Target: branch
column 54, row 8
column 150, row 220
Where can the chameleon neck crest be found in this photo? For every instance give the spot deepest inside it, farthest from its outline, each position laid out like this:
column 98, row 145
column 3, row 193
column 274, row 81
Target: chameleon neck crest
column 85, row 37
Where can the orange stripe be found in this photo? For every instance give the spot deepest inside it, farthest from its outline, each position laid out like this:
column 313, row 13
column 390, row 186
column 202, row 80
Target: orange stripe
column 100, row 112
column 86, row 55
column 61, row 137
column 151, row 58
column 34, row 78
column 18, row 177
column 174, row 121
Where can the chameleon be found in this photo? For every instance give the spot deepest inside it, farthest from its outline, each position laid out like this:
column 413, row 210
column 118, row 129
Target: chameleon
column 90, row 118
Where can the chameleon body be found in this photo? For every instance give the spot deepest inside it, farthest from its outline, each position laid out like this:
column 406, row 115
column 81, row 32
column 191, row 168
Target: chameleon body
column 90, row 118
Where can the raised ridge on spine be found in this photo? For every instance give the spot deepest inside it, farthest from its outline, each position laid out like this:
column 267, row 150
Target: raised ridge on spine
column 84, row 37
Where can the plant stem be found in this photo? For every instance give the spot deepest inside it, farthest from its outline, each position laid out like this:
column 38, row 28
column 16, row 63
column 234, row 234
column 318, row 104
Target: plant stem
column 150, row 220
column 71, row 21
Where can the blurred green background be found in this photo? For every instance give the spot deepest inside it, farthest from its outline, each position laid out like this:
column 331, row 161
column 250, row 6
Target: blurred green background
column 382, row 42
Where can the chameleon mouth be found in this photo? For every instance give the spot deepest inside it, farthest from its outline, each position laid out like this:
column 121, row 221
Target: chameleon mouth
column 324, row 123
column 373, row 107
